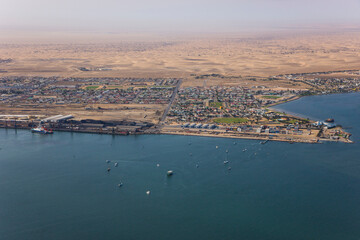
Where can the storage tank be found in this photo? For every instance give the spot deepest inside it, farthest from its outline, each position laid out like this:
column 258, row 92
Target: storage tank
column 212, row 126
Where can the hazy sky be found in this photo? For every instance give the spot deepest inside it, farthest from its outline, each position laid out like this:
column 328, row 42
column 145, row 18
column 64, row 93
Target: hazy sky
column 172, row 15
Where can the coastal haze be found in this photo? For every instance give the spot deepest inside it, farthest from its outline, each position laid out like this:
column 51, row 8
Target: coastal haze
column 177, row 39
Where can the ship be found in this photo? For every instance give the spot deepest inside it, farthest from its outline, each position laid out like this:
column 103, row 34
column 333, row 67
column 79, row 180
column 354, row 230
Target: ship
column 41, row 129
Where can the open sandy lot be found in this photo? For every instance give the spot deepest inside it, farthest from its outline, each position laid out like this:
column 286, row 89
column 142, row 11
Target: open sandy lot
column 108, row 112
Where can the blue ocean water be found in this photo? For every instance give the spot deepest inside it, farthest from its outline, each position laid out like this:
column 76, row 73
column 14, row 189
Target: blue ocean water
column 57, row 187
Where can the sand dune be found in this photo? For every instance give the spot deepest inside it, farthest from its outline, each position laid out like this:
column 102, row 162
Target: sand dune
column 236, row 55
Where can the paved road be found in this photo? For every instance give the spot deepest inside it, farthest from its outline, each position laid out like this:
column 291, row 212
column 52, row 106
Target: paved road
column 171, row 101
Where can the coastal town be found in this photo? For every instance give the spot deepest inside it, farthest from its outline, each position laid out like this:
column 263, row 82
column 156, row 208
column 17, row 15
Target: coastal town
column 41, row 91
column 163, row 106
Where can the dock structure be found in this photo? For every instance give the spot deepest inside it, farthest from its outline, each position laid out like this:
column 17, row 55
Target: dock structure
column 62, row 118
column 14, row 116
column 50, row 118
column 57, row 118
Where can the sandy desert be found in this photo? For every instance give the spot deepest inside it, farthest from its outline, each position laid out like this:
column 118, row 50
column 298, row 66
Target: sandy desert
column 231, row 55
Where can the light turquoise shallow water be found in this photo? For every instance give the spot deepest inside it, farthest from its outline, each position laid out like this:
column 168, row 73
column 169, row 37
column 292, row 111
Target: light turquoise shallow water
column 57, row 187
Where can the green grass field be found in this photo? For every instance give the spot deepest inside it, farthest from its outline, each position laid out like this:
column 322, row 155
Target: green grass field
column 215, row 104
column 230, row 120
column 91, row 87
column 271, row 97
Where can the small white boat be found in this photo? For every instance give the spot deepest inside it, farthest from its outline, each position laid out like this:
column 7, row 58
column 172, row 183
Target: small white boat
column 170, row 173
column 115, row 164
column 217, row 146
column 158, row 165
column 120, row 184
column 148, row 192
column 226, row 162
column 107, row 161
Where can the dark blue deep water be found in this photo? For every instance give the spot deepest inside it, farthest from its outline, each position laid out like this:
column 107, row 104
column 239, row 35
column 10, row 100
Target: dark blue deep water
column 57, row 187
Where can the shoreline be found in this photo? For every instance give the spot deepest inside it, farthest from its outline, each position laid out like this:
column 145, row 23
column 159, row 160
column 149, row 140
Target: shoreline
column 230, row 135
column 285, row 101
column 248, row 136
column 299, row 97
column 262, row 138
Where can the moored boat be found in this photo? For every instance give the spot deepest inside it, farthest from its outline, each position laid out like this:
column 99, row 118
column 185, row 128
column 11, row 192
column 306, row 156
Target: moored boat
column 41, row 129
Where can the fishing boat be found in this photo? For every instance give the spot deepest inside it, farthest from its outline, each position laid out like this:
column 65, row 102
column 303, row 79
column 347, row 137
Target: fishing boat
column 41, row 129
